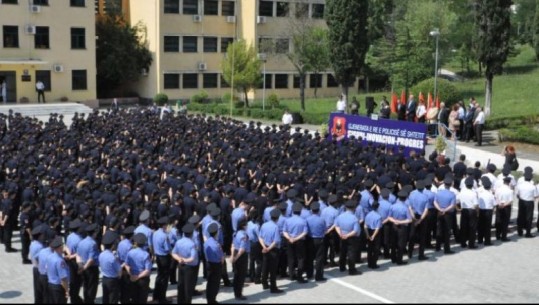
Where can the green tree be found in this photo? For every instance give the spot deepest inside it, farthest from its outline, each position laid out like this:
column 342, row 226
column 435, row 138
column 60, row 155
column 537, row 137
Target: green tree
column 121, row 53
column 493, row 24
column 241, row 68
column 523, row 20
column 536, row 32
column 348, row 38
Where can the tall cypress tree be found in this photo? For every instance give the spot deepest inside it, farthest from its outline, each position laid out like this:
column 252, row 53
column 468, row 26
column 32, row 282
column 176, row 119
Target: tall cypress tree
column 348, row 38
column 492, row 19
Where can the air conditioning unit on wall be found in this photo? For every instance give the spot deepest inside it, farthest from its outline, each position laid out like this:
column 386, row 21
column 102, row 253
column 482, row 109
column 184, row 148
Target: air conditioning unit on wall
column 202, row 66
column 58, row 68
column 30, row 29
column 35, row 9
column 197, row 18
column 261, row 19
column 231, row 19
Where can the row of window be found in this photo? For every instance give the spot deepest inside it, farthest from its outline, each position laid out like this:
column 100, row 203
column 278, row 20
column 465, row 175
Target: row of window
column 209, row 7
column 42, row 37
column 79, row 79
column 189, row 44
column 75, row 3
column 215, row 80
column 283, row 9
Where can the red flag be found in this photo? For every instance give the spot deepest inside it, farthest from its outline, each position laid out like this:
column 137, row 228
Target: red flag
column 429, row 101
column 403, row 97
column 421, row 97
column 394, row 102
column 438, row 102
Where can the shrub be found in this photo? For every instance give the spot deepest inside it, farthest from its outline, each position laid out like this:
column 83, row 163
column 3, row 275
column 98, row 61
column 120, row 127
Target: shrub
column 274, row 114
column 257, row 113
column 315, row 118
column 160, row 99
column 520, row 134
column 226, row 98
column 200, row 97
column 324, row 129
column 273, row 101
column 447, row 92
column 238, row 105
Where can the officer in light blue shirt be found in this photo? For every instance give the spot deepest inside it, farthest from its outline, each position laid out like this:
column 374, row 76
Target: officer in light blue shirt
column 400, row 216
column 295, row 231
column 111, row 269
column 214, row 257
column 161, row 248
column 323, row 199
column 419, row 202
column 266, row 216
column 445, row 202
column 139, row 265
column 347, row 226
column 238, row 214
column 291, row 197
column 432, row 215
column 88, row 255
column 57, row 274
column 241, row 248
column 186, row 254
column 315, row 253
column 270, row 241
column 373, row 230
column 42, row 258
column 36, row 245
column 384, row 205
column 332, row 239
column 255, row 256
column 366, row 199
column 72, row 242
column 143, row 228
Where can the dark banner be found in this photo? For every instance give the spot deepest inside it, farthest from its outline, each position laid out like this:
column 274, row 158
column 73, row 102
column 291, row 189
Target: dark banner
column 380, row 131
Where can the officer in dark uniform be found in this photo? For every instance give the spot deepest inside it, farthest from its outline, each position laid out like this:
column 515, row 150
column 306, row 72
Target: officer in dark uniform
column 445, row 202
column 186, row 254
column 36, row 245
column 111, row 269
column 214, row 257
column 241, row 247
column 75, row 278
column 139, row 266
column 400, row 216
column 270, row 240
column 88, row 258
column 57, row 274
column 26, row 230
column 161, row 247
column 317, row 231
column 347, row 226
column 7, row 219
column 373, row 231
column 295, row 231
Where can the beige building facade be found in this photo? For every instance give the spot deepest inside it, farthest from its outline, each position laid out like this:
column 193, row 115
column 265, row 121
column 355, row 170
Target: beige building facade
column 188, row 40
column 48, row 40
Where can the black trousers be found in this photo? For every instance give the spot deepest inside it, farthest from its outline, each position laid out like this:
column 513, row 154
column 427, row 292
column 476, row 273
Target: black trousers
column 282, row 262
column 40, row 95
column 25, row 243
column 348, row 255
column 270, row 262
column 483, row 225
column 309, row 257
column 125, row 286
column 386, row 239
column 503, row 216
column 111, row 290
column 57, row 294
column 468, row 131
column 296, row 254
column 319, row 257
column 432, row 219
column 373, row 248
column 479, row 133
column 44, row 288
column 140, row 290
column 418, row 234
column 8, row 234
column 185, row 283
column 525, row 216
column 172, row 272
column 444, row 227
column 212, row 284
column 399, row 241
column 255, row 262
column 75, row 282
column 240, row 273
column 161, row 281
column 90, row 280
column 332, row 244
column 468, row 225
column 38, row 292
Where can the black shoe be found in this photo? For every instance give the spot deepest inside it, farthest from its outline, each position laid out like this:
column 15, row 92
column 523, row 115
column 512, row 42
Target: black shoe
column 302, row 281
column 505, row 239
column 374, row 267
column 472, row 247
column 449, row 252
column 276, row 290
column 402, row 263
column 165, row 301
column 258, row 282
column 229, row 284
column 26, row 262
column 11, row 250
column 488, row 244
column 333, row 264
column 422, row 258
column 342, row 269
column 197, row 293
column 173, row 282
column 529, row 235
column 265, row 286
column 519, row 233
column 477, row 144
column 241, row 298
column 354, row 272
column 322, row 279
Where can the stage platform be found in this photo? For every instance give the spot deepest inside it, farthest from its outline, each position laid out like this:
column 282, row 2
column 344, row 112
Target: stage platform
column 42, row 111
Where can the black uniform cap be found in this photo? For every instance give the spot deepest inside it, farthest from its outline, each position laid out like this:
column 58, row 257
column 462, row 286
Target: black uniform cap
column 91, row 228
column 140, row 239
column 74, row 224
column 385, row 193
column 194, row 219
column 163, row 221
column 56, row 242
column 275, row 213
column 297, row 207
column 332, row 199
column 128, row 231
column 291, row 193
column 402, row 194
column 144, row 215
column 215, row 212
column 420, row 184
column 448, row 180
column 37, row 230
column 188, row 228
column 109, row 238
column 351, row 204
column 315, row 206
column 213, row 228
column 283, row 206
column 469, row 182
column 485, row 181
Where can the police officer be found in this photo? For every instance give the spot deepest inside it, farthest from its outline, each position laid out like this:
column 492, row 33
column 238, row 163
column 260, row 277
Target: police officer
column 36, row 245
column 139, row 266
column 111, row 269
column 161, row 247
column 347, row 226
column 487, row 202
column 317, row 231
column 241, row 247
column 469, row 214
column 295, row 231
column 400, row 217
column 42, row 258
column 445, row 202
column 215, row 257
column 144, row 221
column 331, row 238
column 123, row 248
column 87, row 258
column 198, row 240
column 384, row 205
column 186, row 254
column 419, row 210
column 373, row 230
column 270, row 241
column 26, row 230
column 57, row 274
column 255, row 256
column 527, row 193
column 75, row 278
column 504, row 201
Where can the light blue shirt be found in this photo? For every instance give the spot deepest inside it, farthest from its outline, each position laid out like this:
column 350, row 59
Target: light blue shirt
column 329, row 215
column 138, row 260
column 241, row 241
column 185, row 247
column 123, row 248
column 373, row 220
column 445, row 198
column 253, row 230
column 237, row 215
column 213, row 251
column 42, row 258
column 295, row 226
column 35, row 247
column 57, row 269
column 418, row 201
column 269, row 233
column 142, row 228
column 399, row 211
column 316, row 226
column 384, row 208
column 87, row 249
column 109, row 264
column 161, row 243
column 348, row 222
column 72, row 242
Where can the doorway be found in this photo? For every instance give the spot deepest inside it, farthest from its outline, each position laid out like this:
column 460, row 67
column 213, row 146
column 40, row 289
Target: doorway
column 11, row 89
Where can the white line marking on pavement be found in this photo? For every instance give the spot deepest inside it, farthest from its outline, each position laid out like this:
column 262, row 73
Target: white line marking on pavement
column 360, row 290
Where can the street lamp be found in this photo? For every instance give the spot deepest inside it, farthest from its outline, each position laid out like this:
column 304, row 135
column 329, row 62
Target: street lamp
column 263, row 57
column 435, row 33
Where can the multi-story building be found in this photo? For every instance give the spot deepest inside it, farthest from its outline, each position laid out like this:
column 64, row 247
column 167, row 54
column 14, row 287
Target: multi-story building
column 51, row 41
column 189, row 38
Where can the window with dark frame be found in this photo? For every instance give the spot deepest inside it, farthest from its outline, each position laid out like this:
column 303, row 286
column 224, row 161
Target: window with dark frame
column 172, row 81
column 190, row 81
column 315, row 80
column 281, row 81
column 77, row 3
column 9, row 1
column 282, row 45
column 172, row 7
column 171, row 44
column 225, row 41
column 79, row 80
column 41, row 38
column 228, row 8
column 302, row 10
column 209, row 80
column 269, row 81
column 223, row 82
column 332, row 82
column 211, row 7
column 45, row 77
column 78, row 38
column 190, row 44
column 296, row 81
column 265, row 8
column 11, row 36
column 318, row 11
column 210, row 44
column 282, row 9
column 190, row 7
column 41, row 2
column 265, row 45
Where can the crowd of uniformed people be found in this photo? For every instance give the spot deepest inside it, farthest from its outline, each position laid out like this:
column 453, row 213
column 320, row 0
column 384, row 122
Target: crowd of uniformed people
column 202, row 197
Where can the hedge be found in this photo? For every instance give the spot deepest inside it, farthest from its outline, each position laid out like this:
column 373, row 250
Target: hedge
column 520, row 134
column 499, row 123
column 447, row 92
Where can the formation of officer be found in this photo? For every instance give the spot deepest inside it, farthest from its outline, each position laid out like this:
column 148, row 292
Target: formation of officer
column 127, row 189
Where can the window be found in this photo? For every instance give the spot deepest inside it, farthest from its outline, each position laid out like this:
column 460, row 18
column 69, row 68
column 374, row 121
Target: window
column 225, row 41
column 172, row 6
column 282, row 9
column 281, row 81
column 78, row 38
column 41, row 38
column 11, row 36
column 302, row 10
column 332, row 82
column 269, row 82
column 45, row 77
column 9, row 1
column 318, row 11
column 77, row 3
column 172, row 44
column 78, row 80
column 211, row 7
column 296, row 81
column 41, row 2
column 210, row 44
column 210, row 80
column 228, row 8
column 315, row 80
column 190, row 7
column 190, row 44
column 190, row 81
column 224, row 84
column 172, row 81
column 282, row 45
column 265, row 45
column 265, row 8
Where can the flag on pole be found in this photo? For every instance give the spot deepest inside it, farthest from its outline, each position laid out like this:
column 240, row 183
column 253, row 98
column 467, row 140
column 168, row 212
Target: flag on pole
column 429, row 101
column 421, row 97
column 438, row 102
column 403, row 97
column 394, row 102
